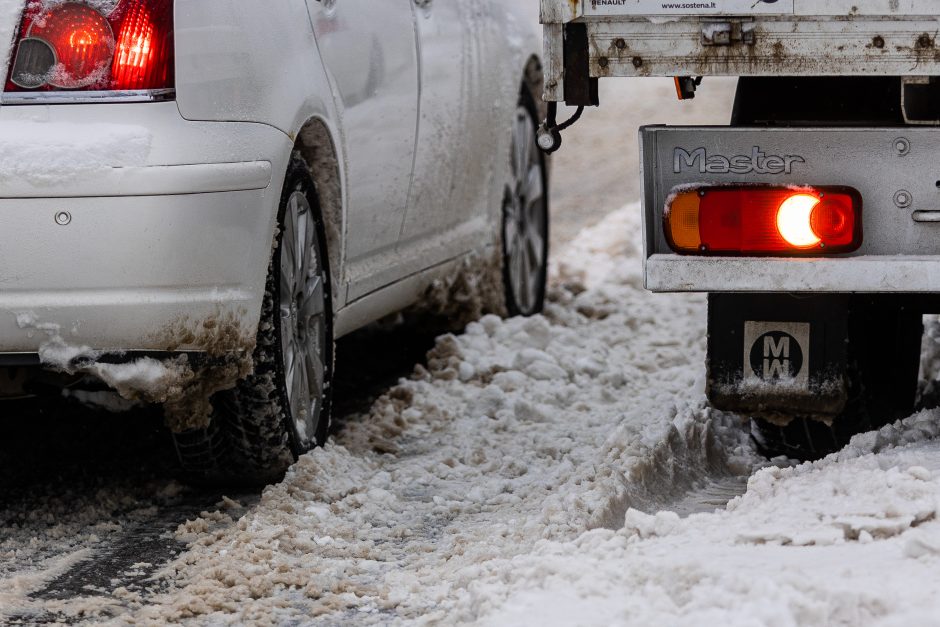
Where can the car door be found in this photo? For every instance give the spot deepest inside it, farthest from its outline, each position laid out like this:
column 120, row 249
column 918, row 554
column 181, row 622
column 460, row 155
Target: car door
column 369, row 49
column 458, row 146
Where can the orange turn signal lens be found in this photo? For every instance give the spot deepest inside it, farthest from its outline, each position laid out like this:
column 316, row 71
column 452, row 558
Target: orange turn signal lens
column 756, row 220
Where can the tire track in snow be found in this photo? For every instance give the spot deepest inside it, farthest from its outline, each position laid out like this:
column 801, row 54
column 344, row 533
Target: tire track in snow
column 515, row 433
column 103, row 486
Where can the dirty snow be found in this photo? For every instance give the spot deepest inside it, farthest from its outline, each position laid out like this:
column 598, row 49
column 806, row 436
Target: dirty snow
column 143, row 378
column 529, row 476
column 518, row 431
column 538, row 472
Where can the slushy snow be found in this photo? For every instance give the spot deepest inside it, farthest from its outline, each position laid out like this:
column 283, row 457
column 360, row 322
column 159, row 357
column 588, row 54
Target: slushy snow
column 528, row 476
column 850, row 540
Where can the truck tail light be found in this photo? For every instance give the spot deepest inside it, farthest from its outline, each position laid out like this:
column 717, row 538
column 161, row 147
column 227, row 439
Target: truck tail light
column 762, row 220
column 83, row 46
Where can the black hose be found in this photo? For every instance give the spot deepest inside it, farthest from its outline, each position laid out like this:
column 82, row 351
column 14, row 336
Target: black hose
column 571, row 121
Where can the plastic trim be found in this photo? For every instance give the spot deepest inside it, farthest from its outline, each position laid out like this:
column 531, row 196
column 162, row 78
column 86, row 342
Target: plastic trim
column 85, row 97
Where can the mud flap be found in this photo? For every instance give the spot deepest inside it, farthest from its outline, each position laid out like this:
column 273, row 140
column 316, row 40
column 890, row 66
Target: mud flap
column 778, row 356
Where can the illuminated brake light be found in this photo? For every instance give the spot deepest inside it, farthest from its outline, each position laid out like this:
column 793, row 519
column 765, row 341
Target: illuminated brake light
column 794, row 221
column 764, row 220
column 134, row 60
column 81, row 45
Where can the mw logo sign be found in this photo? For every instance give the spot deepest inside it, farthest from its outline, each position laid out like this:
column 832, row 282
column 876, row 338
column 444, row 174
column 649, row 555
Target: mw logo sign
column 777, row 353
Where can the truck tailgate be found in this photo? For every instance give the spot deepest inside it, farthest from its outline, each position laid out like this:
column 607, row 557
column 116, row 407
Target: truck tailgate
column 737, row 38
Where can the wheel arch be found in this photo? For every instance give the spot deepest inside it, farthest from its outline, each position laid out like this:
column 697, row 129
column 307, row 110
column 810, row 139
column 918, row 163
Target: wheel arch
column 534, row 79
column 316, row 146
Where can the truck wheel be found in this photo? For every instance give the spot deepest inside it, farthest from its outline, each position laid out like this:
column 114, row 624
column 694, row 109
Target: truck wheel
column 525, row 217
column 884, row 365
column 282, row 409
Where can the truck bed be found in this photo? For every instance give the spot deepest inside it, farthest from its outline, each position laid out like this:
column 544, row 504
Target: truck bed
column 592, row 39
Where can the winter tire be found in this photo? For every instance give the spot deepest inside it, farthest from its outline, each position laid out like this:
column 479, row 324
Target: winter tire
column 525, row 216
column 282, row 409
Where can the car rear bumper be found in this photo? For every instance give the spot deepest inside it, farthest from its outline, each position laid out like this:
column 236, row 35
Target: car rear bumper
column 127, row 228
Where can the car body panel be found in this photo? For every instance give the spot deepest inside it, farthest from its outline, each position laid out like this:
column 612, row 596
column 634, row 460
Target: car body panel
column 133, row 262
column 469, row 95
column 171, row 223
column 370, row 55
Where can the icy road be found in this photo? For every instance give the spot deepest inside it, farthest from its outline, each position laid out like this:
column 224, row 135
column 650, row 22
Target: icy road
column 559, row 470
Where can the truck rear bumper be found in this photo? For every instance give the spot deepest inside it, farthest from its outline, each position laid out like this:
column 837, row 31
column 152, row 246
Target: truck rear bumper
column 874, row 274
column 893, row 169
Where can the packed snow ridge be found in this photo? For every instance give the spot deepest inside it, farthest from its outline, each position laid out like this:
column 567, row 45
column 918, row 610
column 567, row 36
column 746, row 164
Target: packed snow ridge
column 526, row 477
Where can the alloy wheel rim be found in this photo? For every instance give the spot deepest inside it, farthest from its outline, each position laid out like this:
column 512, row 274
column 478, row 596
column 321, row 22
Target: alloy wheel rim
column 302, row 312
column 524, row 219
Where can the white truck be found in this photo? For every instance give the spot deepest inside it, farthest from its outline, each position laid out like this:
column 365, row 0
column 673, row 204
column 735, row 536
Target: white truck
column 812, row 220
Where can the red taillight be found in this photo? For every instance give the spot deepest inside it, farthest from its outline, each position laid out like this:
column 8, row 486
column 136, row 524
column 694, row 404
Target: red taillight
column 82, row 41
column 752, row 220
column 74, row 46
column 143, row 47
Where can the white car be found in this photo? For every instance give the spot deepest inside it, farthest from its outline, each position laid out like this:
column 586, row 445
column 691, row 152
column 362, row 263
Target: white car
column 153, row 154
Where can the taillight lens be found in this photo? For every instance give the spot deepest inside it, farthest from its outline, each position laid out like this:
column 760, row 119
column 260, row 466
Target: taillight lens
column 760, row 220
column 144, row 46
column 121, row 46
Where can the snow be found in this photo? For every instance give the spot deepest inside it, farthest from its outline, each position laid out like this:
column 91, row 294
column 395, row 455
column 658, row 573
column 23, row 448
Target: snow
column 518, row 432
column 850, row 540
column 539, row 472
column 517, row 481
column 106, row 400
column 50, row 154
column 10, row 11
column 139, row 379
column 103, row 6
column 546, row 471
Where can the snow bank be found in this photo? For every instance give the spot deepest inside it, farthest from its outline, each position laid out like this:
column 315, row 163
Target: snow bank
column 810, row 545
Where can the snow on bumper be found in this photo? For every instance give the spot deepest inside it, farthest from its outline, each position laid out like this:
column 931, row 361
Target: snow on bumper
column 126, row 227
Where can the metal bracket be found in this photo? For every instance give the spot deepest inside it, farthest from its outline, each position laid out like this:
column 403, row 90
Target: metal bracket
column 728, row 33
column 920, row 100
column 580, row 87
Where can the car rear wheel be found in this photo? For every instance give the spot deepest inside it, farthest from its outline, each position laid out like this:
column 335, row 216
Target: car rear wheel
column 282, row 409
column 525, row 217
